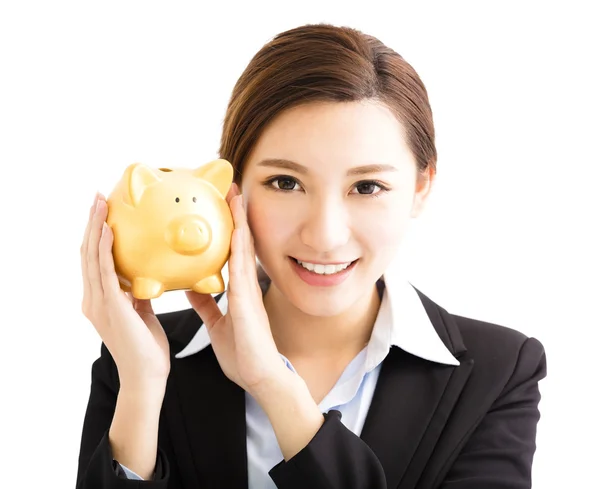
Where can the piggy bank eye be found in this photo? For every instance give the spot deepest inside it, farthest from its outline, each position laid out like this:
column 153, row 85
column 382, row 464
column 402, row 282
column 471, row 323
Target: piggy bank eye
column 176, row 199
column 194, row 199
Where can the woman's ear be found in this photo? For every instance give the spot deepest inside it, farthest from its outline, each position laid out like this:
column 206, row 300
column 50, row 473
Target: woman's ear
column 424, row 184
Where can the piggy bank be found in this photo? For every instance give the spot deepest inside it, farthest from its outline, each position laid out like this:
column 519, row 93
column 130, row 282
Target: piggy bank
column 172, row 228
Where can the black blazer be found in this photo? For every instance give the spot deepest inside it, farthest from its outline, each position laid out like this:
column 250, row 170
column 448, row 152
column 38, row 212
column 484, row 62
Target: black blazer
column 471, row 426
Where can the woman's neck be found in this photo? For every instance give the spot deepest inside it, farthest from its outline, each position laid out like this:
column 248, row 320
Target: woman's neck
column 300, row 336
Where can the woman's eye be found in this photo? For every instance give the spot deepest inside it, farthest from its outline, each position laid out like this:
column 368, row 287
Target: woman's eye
column 284, row 183
column 368, row 188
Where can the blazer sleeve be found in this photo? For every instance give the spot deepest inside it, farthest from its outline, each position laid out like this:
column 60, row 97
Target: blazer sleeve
column 97, row 469
column 499, row 453
column 322, row 465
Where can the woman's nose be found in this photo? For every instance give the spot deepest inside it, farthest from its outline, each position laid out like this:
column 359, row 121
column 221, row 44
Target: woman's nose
column 326, row 227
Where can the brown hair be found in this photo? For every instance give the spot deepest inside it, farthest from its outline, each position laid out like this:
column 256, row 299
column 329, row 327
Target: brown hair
column 325, row 63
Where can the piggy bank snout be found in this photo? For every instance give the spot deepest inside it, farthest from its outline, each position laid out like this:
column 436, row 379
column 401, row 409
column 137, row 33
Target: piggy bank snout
column 188, row 235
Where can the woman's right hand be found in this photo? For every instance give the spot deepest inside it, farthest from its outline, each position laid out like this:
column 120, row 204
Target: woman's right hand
column 128, row 326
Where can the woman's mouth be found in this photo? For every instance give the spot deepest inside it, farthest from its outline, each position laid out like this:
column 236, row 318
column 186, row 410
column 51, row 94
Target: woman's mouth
column 319, row 274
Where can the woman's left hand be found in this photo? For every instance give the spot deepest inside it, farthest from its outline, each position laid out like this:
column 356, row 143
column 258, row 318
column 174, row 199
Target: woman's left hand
column 242, row 338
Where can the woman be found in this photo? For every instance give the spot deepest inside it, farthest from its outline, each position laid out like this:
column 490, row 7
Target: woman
column 323, row 370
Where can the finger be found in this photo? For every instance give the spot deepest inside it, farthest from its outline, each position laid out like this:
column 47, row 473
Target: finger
column 86, row 233
column 93, row 259
column 248, row 234
column 84, row 247
column 144, row 309
column 142, row 306
column 236, row 259
column 106, row 263
column 247, row 245
column 206, row 307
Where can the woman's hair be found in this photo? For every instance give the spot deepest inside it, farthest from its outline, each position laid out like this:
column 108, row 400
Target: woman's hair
column 325, row 63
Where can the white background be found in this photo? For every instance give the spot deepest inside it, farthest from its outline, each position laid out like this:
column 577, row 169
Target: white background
column 510, row 235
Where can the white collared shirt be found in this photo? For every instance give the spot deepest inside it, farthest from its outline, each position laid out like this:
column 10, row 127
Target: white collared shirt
column 401, row 321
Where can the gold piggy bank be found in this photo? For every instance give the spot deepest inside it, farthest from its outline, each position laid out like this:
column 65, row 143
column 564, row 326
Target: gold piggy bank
column 172, row 228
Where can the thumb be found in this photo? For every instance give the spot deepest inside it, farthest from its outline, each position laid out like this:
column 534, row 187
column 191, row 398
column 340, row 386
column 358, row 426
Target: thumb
column 142, row 305
column 205, row 306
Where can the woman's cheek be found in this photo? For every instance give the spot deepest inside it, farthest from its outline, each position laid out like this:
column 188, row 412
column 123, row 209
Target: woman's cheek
column 270, row 225
column 380, row 226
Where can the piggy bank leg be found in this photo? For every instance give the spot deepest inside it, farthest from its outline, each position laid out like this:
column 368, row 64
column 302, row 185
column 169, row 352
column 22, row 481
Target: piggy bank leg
column 210, row 285
column 146, row 288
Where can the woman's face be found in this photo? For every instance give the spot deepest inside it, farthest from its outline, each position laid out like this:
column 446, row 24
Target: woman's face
column 330, row 184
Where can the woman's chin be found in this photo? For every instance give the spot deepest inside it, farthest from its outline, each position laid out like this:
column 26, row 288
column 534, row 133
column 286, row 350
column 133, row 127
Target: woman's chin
column 321, row 310
column 319, row 303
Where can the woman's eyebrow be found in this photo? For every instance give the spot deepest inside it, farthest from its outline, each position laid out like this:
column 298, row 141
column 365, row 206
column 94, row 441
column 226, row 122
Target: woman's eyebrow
column 298, row 168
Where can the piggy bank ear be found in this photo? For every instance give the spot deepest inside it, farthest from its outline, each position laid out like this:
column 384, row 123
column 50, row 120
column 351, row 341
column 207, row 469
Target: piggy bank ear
column 219, row 173
column 140, row 178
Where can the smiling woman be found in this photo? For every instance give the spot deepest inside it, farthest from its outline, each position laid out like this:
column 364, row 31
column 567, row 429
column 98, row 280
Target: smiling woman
column 320, row 369
column 337, row 203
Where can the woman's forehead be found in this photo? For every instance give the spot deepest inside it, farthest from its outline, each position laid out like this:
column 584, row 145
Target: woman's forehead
column 334, row 135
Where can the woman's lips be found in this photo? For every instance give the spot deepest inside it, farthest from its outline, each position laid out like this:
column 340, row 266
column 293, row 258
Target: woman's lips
column 321, row 280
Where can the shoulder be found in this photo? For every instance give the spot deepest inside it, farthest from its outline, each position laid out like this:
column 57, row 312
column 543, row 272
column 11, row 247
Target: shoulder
column 492, row 341
column 494, row 350
column 501, row 355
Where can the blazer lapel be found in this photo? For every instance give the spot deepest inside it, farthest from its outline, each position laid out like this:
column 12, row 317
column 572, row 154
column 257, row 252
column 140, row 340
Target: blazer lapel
column 412, row 402
column 205, row 412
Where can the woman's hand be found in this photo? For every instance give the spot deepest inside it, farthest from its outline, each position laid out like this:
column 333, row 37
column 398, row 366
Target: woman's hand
column 241, row 339
column 244, row 346
column 127, row 326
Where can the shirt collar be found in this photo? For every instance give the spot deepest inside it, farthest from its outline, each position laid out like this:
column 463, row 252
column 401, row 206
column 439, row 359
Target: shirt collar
column 402, row 322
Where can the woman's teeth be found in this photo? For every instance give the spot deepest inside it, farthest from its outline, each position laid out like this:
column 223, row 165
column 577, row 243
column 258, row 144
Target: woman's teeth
column 324, row 269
